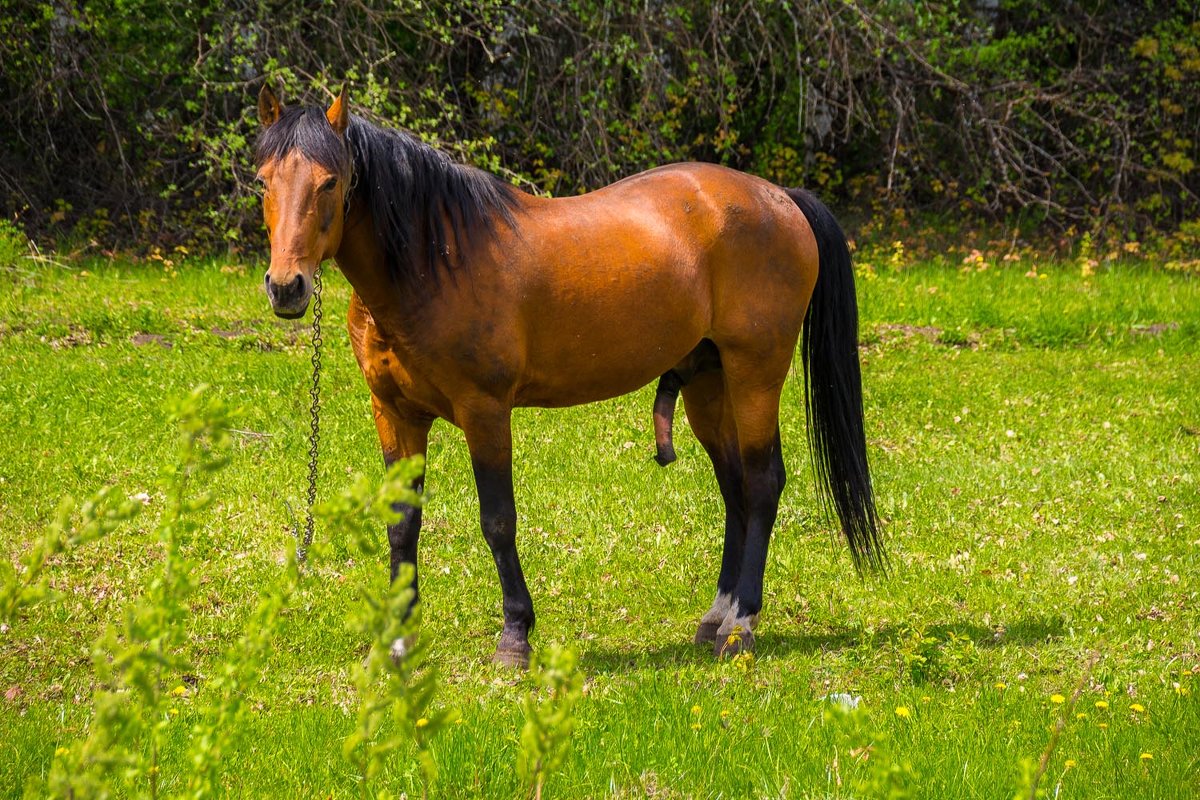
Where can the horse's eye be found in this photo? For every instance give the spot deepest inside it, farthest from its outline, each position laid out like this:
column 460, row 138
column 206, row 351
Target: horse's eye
column 328, row 185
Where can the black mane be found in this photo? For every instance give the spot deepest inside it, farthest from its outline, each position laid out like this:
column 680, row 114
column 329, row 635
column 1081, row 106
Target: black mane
column 411, row 189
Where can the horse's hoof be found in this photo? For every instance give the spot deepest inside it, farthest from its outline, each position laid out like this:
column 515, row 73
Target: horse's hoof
column 665, row 456
column 707, row 632
column 513, row 649
column 737, row 640
column 517, row 659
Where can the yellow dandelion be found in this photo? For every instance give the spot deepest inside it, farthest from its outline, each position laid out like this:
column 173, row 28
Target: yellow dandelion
column 1081, row 715
column 695, row 726
column 1069, row 763
column 62, row 751
column 1146, row 757
column 173, row 711
column 696, row 710
column 422, row 722
column 724, row 713
column 1101, row 704
column 1182, row 691
column 1187, row 673
column 1137, row 708
column 1102, row 726
column 1057, row 699
column 1001, row 685
column 925, row 698
column 903, row 712
column 179, row 691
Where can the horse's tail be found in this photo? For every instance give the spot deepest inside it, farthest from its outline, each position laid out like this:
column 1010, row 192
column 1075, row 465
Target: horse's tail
column 833, row 388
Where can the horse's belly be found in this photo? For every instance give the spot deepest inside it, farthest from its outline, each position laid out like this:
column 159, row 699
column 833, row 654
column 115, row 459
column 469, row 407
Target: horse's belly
column 601, row 383
column 595, row 356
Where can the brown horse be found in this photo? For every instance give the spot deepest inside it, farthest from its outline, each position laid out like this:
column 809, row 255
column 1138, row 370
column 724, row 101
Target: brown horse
column 472, row 298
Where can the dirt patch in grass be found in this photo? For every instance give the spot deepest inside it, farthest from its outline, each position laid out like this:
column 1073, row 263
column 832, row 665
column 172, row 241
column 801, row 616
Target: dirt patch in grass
column 151, row 338
column 1154, row 329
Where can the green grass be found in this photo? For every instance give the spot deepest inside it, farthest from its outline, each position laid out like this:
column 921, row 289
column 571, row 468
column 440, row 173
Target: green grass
column 1035, row 447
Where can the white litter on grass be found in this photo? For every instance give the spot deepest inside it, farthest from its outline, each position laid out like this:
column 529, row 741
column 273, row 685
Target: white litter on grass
column 847, row 701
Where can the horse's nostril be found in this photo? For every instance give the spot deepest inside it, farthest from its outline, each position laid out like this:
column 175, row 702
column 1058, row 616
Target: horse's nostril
column 282, row 291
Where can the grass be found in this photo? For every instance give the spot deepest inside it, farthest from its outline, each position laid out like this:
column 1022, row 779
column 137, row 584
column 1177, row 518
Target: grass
column 1034, row 445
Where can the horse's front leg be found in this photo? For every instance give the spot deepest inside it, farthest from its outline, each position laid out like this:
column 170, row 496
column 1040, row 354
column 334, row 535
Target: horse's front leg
column 403, row 433
column 489, row 438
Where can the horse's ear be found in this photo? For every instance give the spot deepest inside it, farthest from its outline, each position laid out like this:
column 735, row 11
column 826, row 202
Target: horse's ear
column 269, row 107
column 338, row 114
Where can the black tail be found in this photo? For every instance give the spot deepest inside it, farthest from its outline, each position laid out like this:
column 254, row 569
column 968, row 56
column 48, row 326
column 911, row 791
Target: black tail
column 833, row 388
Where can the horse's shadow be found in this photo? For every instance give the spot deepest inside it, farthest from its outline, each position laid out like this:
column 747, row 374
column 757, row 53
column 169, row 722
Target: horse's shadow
column 617, row 659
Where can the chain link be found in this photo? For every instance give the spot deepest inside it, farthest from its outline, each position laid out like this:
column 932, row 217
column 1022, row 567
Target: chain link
column 314, row 436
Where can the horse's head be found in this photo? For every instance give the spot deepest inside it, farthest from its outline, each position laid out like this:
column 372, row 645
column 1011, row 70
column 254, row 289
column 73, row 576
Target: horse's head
column 305, row 168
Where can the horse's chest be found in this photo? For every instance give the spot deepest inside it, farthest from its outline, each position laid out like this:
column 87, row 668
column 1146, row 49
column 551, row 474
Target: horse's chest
column 389, row 376
column 385, row 373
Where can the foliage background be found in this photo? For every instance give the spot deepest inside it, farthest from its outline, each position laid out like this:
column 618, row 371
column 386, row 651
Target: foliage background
column 129, row 122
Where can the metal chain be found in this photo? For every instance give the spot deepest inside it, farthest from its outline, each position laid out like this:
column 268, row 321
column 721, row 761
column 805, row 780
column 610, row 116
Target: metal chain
column 314, row 436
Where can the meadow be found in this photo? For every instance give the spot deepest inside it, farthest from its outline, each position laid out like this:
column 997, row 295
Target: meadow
column 1034, row 432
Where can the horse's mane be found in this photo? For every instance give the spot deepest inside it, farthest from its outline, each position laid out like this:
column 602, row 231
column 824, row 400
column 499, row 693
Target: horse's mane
column 412, row 190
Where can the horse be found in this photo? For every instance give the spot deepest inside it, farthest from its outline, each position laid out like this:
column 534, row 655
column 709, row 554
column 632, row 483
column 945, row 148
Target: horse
column 472, row 297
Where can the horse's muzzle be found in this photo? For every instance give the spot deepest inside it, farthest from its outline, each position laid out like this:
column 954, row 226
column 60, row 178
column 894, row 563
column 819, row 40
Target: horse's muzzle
column 289, row 300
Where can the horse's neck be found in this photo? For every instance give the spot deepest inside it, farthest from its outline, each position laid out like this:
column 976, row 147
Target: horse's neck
column 360, row 258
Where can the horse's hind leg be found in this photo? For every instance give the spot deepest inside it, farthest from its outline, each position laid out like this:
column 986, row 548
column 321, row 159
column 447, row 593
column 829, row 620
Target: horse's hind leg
column 707, row 411
column 755, row 382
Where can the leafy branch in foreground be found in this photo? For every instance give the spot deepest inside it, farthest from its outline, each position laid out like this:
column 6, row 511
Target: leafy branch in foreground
column 546, row 736
column 222, row 716
column 96, row 518
column 395, row 689
column 395, row 692
column 136, row 665
column 142, row 668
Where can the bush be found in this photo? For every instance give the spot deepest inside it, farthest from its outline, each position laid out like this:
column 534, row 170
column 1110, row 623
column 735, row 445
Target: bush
column 131, row 123
column 13, row 244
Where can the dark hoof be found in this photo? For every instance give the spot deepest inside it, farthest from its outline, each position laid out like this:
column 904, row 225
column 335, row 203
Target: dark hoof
column 517, row 659
column 513, row 649
column 665, row 455
column 735, row 643
column 707, row 632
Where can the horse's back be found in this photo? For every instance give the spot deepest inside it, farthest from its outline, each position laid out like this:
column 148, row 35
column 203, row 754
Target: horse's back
column 683, row 215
